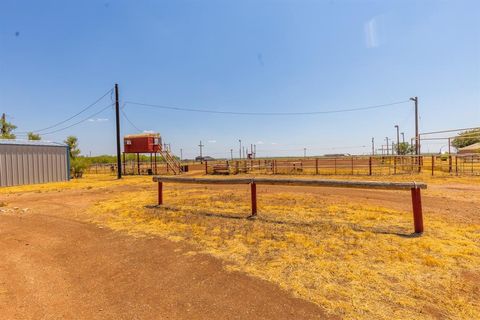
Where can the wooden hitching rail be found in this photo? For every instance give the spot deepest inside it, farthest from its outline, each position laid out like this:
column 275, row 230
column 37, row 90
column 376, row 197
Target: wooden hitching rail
column 414, row 188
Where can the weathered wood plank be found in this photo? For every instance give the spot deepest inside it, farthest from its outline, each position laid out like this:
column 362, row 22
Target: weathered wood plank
column 298, row 182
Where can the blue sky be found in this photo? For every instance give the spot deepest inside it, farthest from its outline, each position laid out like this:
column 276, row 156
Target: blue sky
column 56, row 57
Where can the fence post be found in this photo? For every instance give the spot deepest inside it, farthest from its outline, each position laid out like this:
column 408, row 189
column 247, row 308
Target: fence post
column 352, row 165
column 160, row 193
column 370, row 166
column 316, row 165
column 433, row 164
column 417, row 210
column 449, row 163
column 456, row 165
column 253, row 189
column 394, row 164
column 335, row 165
column 206, row 167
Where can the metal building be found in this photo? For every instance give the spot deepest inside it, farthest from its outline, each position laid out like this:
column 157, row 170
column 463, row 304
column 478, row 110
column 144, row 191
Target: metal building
column 28, row 162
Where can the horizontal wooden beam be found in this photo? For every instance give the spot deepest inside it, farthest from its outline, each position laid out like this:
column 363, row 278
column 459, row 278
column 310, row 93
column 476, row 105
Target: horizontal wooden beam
column 299, row 182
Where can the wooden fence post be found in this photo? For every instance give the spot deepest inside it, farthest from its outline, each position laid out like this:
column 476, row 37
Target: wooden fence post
column 449, row 163
column 206, row 167
column 316, row 165
column 433, row 165
column 160, row 193
column 417, row 210
column 370, row 166
column 253, row 189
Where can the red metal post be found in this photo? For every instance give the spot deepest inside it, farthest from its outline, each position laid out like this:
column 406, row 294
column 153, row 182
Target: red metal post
column 160, row 193
column 253, row 189
column 417, row 210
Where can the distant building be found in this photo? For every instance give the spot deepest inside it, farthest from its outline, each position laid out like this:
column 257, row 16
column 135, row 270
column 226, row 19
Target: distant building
column 205, row 158
column 28, row 162
column 471, row 149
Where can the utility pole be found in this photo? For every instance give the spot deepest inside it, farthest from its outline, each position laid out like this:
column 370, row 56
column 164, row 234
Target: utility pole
column 403, row 136
column 243, row 149
column 231, row 153
column 240, row 150
column 417, row 136
column 386, row 138
column 117, row 117
column 373, row 146
column 201, row 146
column 304, row 152
column 181, row 154
column 255, row 151
column 398, row 139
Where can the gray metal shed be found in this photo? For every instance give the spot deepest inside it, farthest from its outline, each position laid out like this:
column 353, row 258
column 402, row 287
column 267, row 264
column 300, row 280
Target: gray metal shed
column 28, row 162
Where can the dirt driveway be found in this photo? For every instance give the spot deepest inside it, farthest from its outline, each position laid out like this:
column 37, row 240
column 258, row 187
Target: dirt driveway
column 54, row 265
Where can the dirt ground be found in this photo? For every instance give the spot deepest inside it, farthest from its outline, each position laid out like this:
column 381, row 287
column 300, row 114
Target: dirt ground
column 55, row 264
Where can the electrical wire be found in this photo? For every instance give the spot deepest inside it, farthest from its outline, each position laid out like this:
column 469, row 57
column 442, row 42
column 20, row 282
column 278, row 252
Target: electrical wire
column 83, row 120
column 70, row 118
column 351, row 109
column 131, row 123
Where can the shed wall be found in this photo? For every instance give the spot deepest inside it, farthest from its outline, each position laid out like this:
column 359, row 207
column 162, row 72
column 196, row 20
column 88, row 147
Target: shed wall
column 25, row 164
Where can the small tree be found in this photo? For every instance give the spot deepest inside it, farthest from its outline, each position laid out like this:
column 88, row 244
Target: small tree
column 72, row 143
column 34, row 136
column 6, row 128
column 466, row 138
column 404, row 148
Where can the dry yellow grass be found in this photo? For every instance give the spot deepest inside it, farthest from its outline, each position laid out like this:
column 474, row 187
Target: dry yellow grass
column 87, row 182
column 355, row 260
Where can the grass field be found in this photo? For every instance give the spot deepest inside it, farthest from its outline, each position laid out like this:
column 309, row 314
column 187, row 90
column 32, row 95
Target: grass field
column 351, row 253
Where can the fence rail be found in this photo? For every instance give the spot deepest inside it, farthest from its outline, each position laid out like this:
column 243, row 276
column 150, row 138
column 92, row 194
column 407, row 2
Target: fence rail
column 352, row 165
column 348, row 165
column 414, row 187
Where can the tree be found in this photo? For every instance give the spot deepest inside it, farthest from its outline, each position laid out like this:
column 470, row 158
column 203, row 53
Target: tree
column 404, row 148
column 6, row 129
column 466, row 138
column 72, row 142
column 34, row 136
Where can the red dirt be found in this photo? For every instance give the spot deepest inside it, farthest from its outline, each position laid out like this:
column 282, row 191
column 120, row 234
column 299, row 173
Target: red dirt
column 54, row 265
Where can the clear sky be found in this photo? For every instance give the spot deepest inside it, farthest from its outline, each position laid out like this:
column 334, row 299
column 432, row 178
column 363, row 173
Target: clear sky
column 56, row 57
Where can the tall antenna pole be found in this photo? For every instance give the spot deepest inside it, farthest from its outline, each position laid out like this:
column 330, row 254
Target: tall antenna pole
column 117, row 117
column 417, row 136
column 201, row 146
column 240, row 150
column 398, row 139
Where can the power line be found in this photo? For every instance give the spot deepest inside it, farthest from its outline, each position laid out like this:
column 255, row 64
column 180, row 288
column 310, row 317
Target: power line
column 75, row 115
column 131, row 123
column 83, row 120
column 348, row 109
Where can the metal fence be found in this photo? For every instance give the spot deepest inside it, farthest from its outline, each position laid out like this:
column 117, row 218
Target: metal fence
column 348, row 165
column 352, row 165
